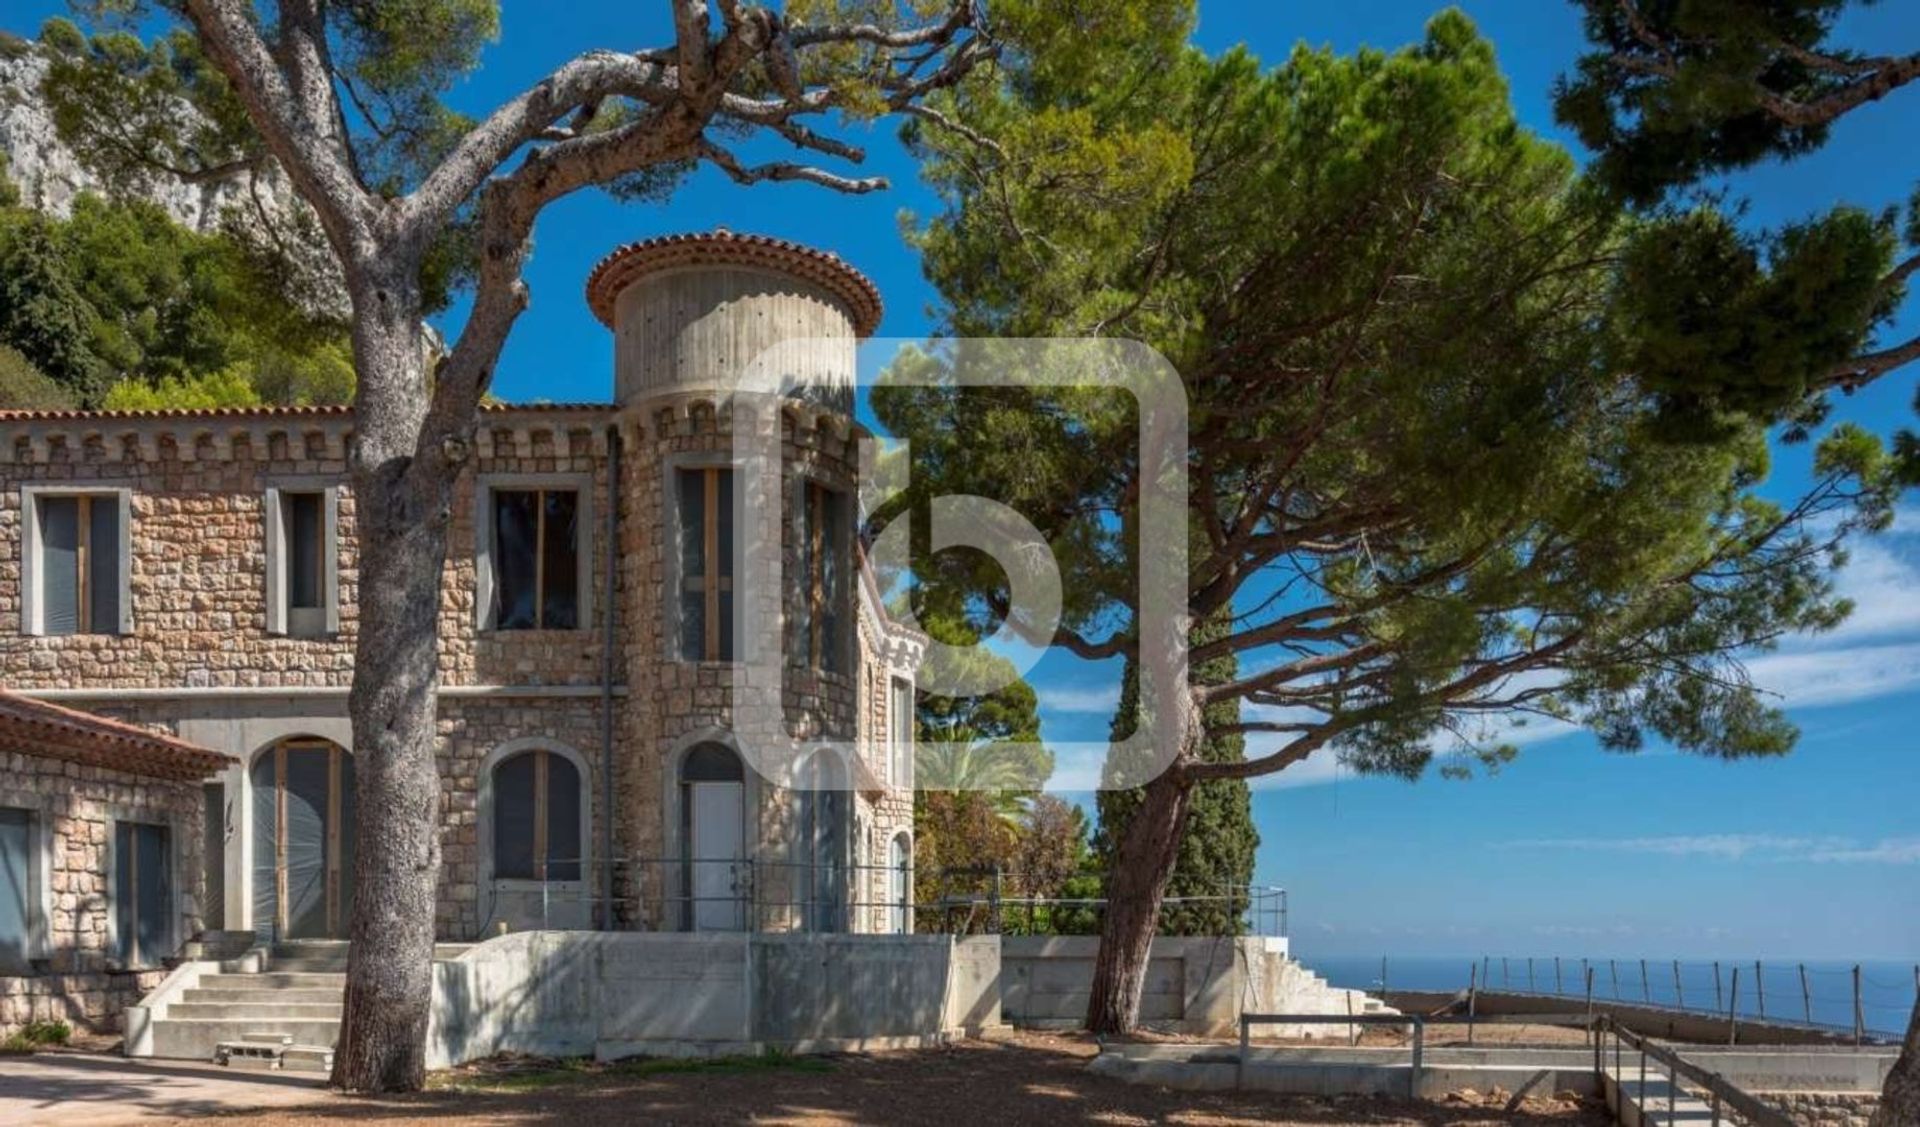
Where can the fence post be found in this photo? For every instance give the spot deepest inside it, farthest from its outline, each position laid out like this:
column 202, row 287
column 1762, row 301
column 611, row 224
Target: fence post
column 1679, row 998
column 1806, row 995
column 1506, row 981
column 1556, row 977
column 1240, row 1069
column 1646, row 991
column 1859, row 1015
column 996, row 900
column 1760, row 988
column 1733, row 1009
column 1473, row 988
column 1613, row 972
column 1596, row 1041
column 1419, row 1040
column 1531, row 988
column 1718, row 1002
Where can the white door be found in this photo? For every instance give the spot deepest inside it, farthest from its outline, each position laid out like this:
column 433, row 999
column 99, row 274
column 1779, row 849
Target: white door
column 716, row 858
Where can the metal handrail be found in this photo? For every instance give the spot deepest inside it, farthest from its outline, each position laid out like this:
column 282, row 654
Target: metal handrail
column 1755, row 1111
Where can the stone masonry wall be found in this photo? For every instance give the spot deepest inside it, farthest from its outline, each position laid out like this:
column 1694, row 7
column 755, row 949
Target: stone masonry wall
column 199, row 555
column 75, row 809
column 1826, row 1109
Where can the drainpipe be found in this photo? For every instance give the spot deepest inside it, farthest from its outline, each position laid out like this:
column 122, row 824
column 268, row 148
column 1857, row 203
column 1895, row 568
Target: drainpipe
column 612, row 555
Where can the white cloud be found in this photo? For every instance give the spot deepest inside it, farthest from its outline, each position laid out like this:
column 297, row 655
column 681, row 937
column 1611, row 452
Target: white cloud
column 1739, row 847
column 1814, row 678
column 1097, row 699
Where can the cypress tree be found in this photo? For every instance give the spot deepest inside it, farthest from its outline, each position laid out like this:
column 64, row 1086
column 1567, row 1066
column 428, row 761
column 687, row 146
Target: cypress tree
column 1218, row 843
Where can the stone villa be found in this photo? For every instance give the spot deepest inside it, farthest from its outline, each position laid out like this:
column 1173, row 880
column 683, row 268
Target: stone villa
column 192, row 573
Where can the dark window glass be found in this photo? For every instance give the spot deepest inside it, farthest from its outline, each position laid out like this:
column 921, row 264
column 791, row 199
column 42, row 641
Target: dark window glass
column 516, row 546
column 60, row 565
column 706, row 564
column 80, row 564
column 525, row 787
column 103, row 564
column 17, row 905
column 560, row 560
column 821, row 613
column 142, row 893
column 563, row 818
column 513, row 807
column 306, row 536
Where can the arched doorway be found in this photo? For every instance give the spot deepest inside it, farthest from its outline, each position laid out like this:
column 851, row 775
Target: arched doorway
column 302, row 839
column 820, row 796
column 713, row 840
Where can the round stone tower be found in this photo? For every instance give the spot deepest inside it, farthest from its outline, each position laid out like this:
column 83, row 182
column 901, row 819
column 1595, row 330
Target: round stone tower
column 717, row 312
column 747, row 661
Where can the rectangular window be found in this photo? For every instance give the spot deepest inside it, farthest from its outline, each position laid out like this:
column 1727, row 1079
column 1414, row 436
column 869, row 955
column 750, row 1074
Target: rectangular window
column 706, row 563
column 302, row 562
column 19, row 902
column 900, row 720
column 822, row 608
column 79, row 564
column 536, row 559
column 142, row 893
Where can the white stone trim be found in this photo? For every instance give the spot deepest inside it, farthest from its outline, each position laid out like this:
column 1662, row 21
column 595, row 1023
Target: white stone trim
column 278, row 613
column 31, row 611
column 483, row 539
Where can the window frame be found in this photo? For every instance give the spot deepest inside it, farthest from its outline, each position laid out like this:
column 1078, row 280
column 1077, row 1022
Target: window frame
column 282, row 618
column 491, row 828
column 808, row 491
column 175, row 866
column 485, row 610
column 32, row 581
column 901, row 721
column 711, row 582
column 40, row 846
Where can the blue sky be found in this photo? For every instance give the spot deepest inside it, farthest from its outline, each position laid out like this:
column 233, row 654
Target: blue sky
column 1567, row 851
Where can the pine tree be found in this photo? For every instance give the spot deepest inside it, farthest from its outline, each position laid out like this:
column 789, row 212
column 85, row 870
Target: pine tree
column 1218, row 842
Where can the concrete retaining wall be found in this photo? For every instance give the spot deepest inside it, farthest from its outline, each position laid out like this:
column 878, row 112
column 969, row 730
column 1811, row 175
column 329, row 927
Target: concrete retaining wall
column 567, row 993
column 1199, row 986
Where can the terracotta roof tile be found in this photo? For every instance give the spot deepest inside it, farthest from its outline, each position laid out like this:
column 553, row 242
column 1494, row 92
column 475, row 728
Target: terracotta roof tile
column 723, row 247
column 49, row 731
column 331, row 411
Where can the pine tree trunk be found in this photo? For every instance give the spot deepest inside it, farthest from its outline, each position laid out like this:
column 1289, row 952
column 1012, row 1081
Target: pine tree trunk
column 1900, row 1097
column 1135, row 885
column 401, row 506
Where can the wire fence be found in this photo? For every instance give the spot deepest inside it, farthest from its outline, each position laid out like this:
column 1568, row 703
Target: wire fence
column 1849, row 998
column 828, row 896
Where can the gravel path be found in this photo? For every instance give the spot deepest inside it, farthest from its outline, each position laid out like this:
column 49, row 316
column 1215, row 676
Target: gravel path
column 1028, row 1079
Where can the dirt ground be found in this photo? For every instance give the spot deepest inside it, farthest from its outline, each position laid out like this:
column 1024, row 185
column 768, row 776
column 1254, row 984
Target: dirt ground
column 1026, row 1079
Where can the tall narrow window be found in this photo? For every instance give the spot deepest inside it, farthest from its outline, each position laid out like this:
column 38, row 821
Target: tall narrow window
column 536, row 817
column 536, row 559
column 706, row 564
column 142, row 893
column 822, row 533
column 302, row 567
column 79, row 564
column 900, row 721
column 19, row 903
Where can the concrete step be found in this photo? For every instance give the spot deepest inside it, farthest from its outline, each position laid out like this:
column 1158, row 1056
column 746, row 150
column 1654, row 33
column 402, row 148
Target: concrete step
column 275, row 980
column 257, row 1013
column 308, row 964
column 275, row 995
column 195, row 1038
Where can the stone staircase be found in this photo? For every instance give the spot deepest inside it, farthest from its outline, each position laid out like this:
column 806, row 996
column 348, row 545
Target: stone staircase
column 294, row 1000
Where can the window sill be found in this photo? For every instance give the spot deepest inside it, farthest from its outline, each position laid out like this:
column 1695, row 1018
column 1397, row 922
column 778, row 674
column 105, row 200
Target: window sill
column 529, row 884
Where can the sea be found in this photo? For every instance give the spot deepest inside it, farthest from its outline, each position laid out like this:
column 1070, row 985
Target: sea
column 1824, row 996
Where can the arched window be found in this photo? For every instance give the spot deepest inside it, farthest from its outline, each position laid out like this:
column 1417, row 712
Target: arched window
column 900, row 884
column 537, row 807
column 821, row 809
